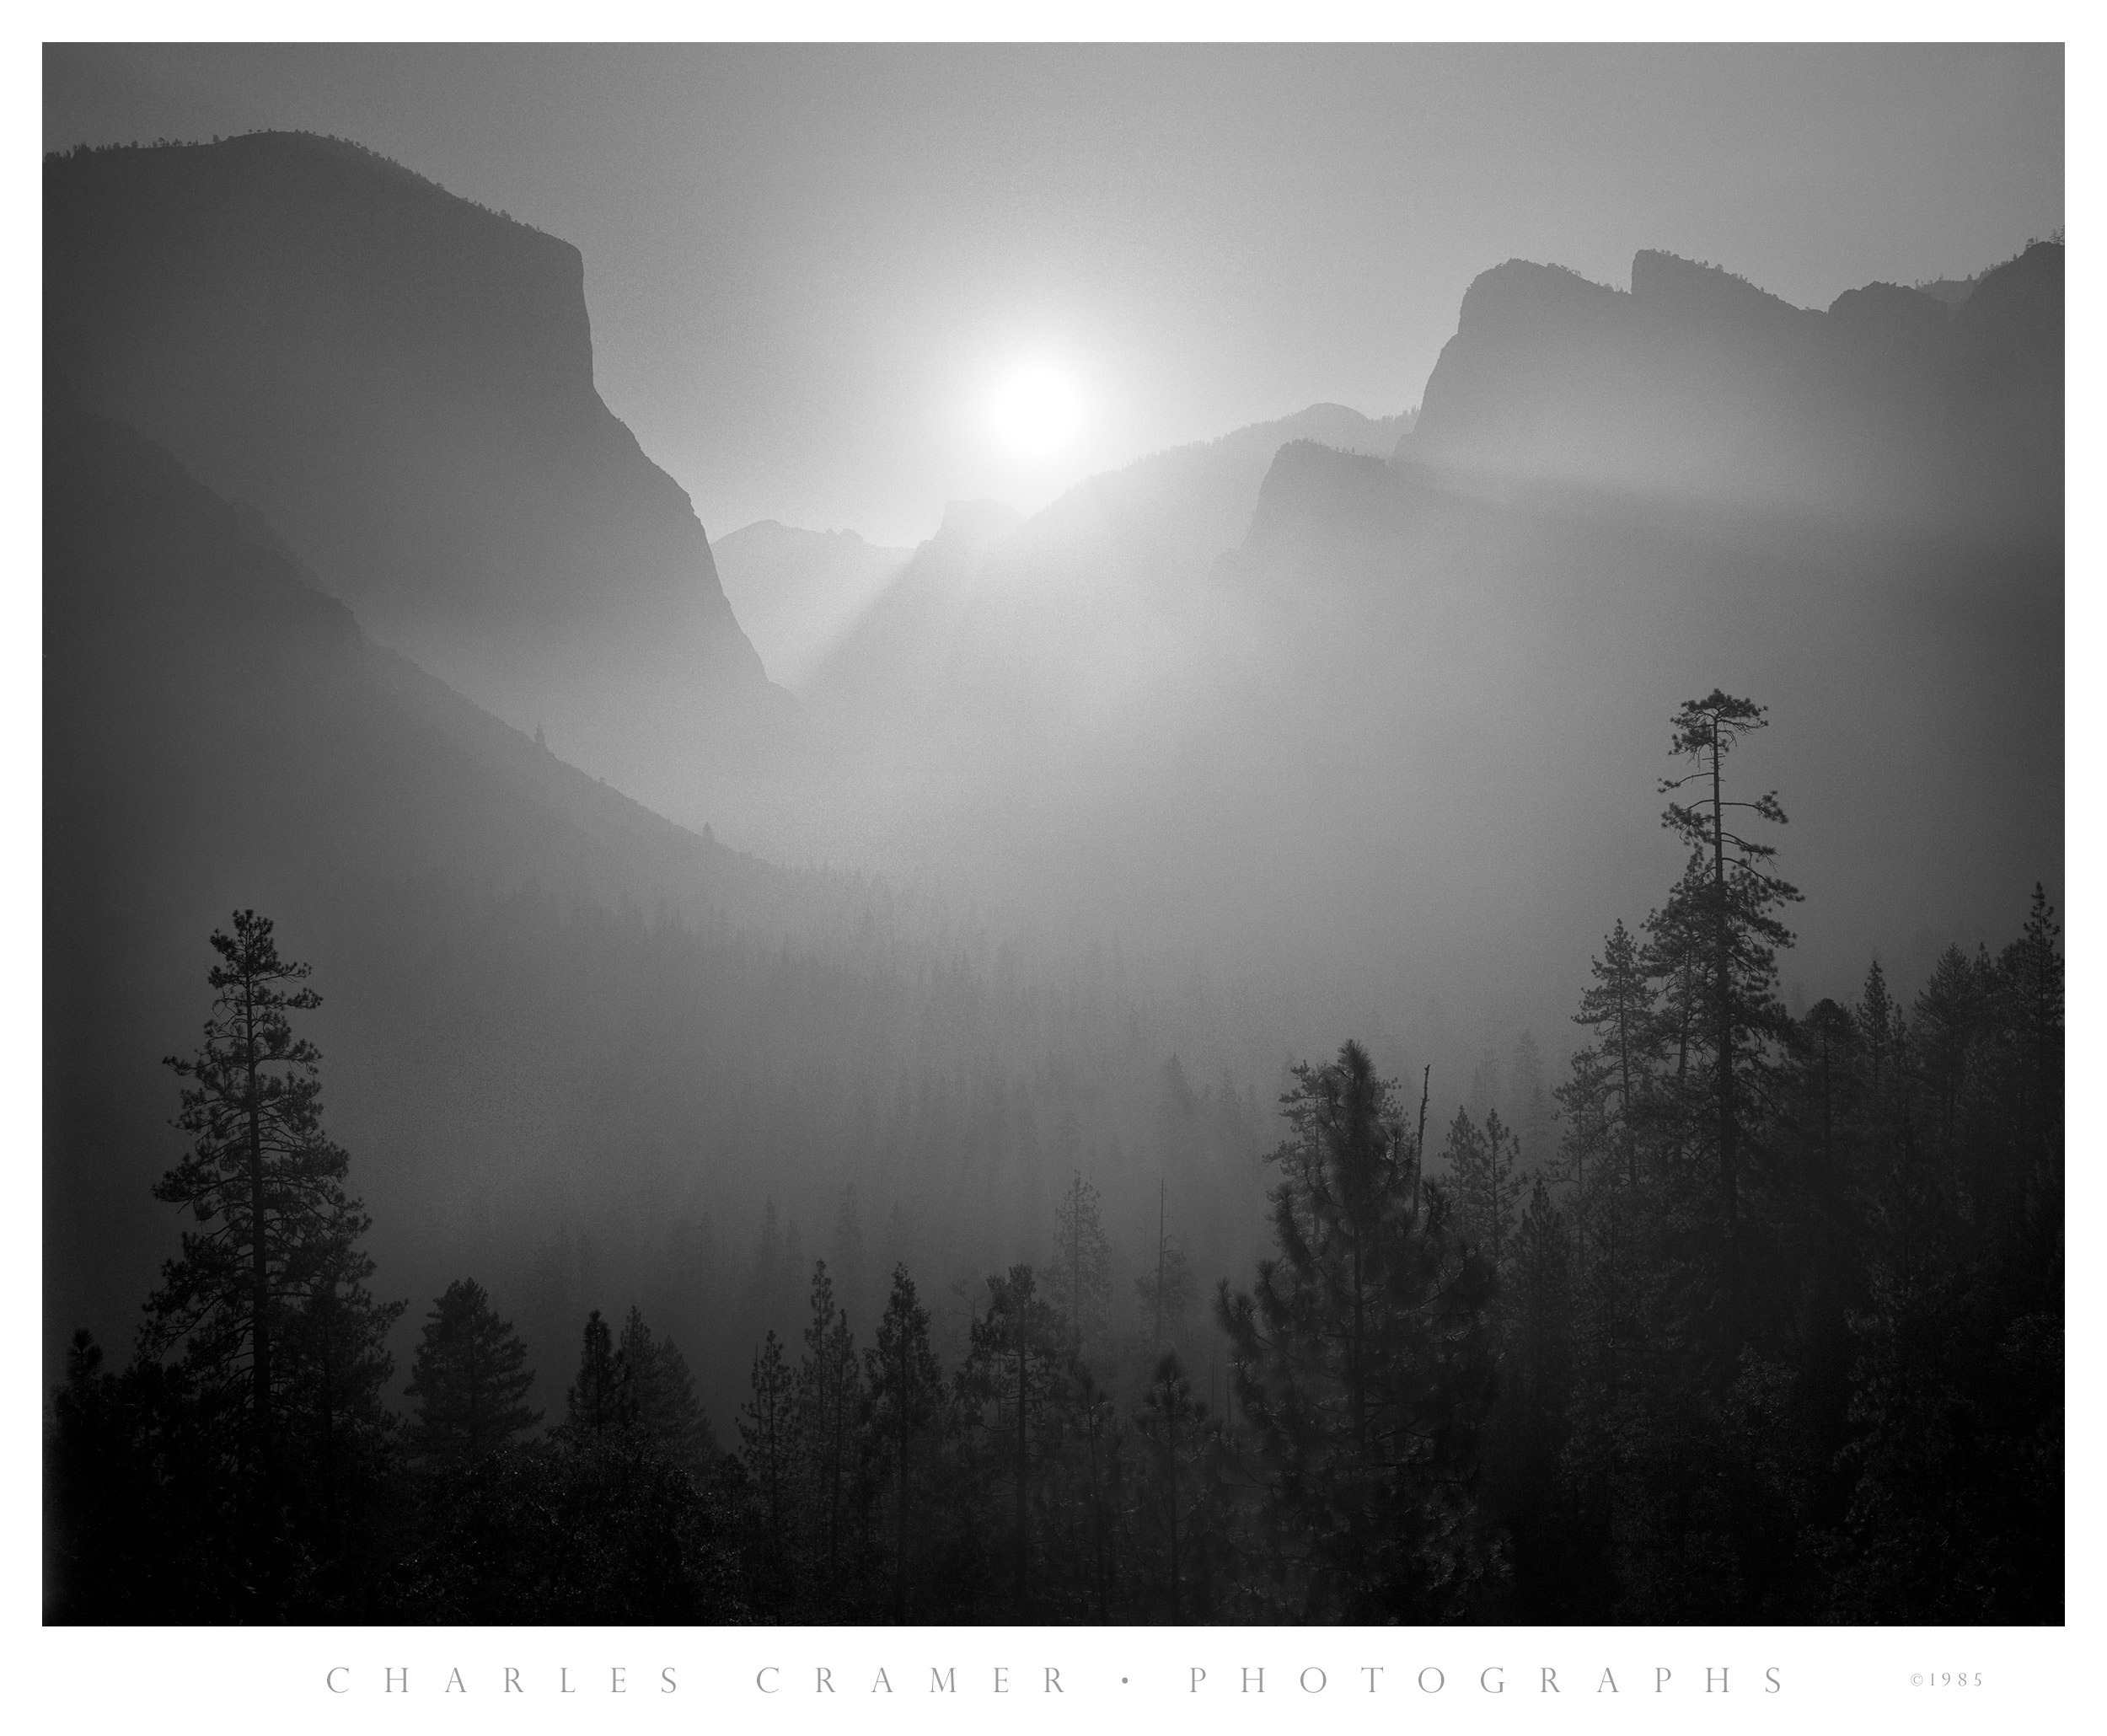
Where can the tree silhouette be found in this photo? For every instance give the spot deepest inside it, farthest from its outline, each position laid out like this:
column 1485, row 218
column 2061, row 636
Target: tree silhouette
column 1720, row 913
column 829, row 1392
column 658, row 1407
column 598, row 1404
column 1361, row 1362
column 1172, row 1426
column 1020, row 1349
column 266, row 1185
column 1483, row 1185
column 769, row 1438
column 905, row 1382
column 470, row 1377
column 1620, row 1007
column 1079, row 1279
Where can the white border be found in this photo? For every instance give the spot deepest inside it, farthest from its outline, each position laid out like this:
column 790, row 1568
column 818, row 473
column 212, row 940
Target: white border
column 176, row 1679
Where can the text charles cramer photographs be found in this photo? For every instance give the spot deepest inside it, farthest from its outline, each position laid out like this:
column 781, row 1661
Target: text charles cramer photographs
column 1043, row 1678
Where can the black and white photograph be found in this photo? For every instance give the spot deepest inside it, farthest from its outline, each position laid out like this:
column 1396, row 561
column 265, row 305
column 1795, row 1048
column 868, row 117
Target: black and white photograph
column 1053, row 835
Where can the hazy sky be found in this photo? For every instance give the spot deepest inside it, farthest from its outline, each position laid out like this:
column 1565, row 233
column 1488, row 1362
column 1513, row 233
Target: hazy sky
column 810, row 270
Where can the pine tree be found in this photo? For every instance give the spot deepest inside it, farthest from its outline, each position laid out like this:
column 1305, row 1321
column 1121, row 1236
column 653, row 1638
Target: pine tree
column 905, row 1382
column 1954, row 1456
column 597, row 1405
column 2031, row 976
column 1621, row 1009
column 1883, row 1029
column 1484, row 1185
column 768, row 1440
column 278, row 1232
column 1079, row 1277
column 470, row 1377
column 1673, row 955
column 1722, row 914
column 829, row 1393
column 1591, row 1140
column 1361, row 1363
column 678, row 1422
column 1174, row 1428
column 1020, row 1351
column 2032, row 968
column 658, row 1404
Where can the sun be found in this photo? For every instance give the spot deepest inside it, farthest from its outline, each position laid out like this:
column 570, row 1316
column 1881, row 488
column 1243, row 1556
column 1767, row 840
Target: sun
column 1036, row 410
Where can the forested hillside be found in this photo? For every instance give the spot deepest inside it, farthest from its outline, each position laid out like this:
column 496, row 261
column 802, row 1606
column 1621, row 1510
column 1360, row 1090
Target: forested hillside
column 1775, row 1336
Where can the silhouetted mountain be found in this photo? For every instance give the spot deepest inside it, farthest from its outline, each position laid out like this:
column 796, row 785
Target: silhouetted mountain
column 798, row 592
column 1189, row 504
column 1698, row 385
column 1004, row 641
column 402, row 382
column 1443, row 669
column 170, row 610
column 1155, row 522
column 1310, row 485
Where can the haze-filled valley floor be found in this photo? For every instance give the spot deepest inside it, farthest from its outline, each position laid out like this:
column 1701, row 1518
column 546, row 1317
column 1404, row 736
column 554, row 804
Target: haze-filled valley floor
column 683, row 912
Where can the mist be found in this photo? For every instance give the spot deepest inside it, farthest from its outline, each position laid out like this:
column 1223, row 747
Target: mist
column 731, row 839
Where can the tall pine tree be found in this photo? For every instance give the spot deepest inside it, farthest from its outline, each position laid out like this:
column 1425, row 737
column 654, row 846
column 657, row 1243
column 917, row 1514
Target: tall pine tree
column 1022, row 1350
column 1362, row 1364
column 1721, row 925
column 905, row 1382
column 277, row 1234
column 1079, row 1277
column 829, row 1395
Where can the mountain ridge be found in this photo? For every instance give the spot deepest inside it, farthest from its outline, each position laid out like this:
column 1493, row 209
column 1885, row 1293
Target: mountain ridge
column 1699, row 383
column 401, row 381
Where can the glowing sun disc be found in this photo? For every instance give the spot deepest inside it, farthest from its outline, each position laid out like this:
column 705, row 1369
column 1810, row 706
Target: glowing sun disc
column 1036, row 410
